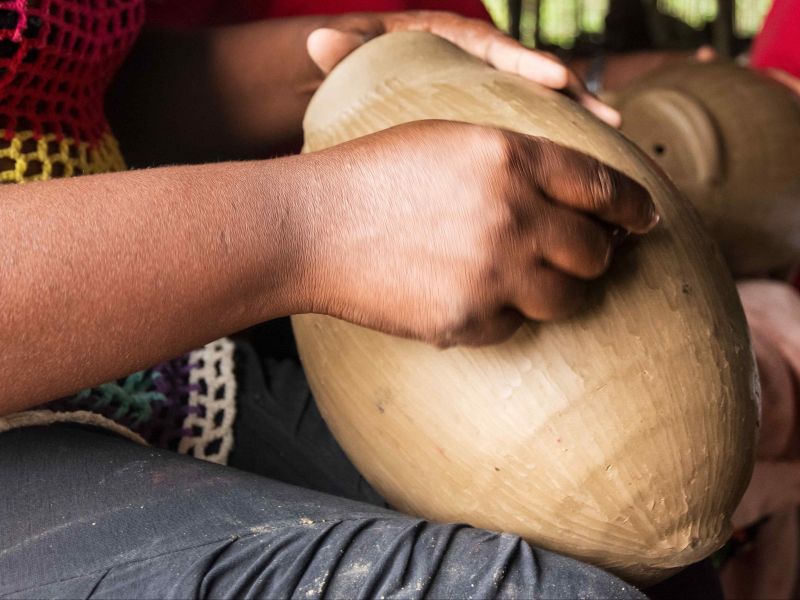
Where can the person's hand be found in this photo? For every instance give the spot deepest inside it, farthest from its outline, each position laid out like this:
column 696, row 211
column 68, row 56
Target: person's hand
column 451, row 233
column 329, row 45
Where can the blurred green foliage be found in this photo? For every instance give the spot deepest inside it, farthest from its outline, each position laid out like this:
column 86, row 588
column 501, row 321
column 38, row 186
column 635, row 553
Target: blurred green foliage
column 562, row 21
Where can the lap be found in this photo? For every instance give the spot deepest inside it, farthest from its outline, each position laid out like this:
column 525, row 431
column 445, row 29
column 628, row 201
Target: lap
column 85, row 514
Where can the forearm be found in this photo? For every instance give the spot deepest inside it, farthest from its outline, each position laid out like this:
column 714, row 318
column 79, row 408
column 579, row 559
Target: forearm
column 241, row 91
column 101, row 276
column 228, row 93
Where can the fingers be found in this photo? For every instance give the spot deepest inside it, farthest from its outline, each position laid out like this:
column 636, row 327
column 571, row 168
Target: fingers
column 571, row 243
column 544, row 294
column 506, row 54
column 491, row 330
column 538, row 292
column 580, row 182
column 488, row 43
column 485, row 41
column 577, row 89
column 327, row 47
column 601, row 110
column 543, row 279
column 541, row 294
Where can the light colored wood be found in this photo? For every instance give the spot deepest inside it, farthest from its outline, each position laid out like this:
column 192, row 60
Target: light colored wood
column 729, row 138
column 624, row 436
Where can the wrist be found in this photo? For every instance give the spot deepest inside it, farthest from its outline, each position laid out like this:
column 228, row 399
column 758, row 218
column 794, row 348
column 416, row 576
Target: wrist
column 328, row 191
column 292, row 194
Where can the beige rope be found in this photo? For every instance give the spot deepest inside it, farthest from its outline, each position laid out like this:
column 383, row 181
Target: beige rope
column 32, row 418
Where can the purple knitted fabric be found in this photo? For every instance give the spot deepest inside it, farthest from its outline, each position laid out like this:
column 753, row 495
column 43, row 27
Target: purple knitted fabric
column 153, row 403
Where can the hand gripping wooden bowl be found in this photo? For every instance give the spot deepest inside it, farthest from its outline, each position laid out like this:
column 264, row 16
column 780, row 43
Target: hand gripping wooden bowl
column 729, row 138
column 624, row 436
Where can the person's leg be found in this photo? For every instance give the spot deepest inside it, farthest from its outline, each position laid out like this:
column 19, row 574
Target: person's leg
column 85, row 514
column 279, row 432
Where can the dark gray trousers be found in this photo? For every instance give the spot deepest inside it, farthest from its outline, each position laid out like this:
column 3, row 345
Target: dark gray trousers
column 84, row 514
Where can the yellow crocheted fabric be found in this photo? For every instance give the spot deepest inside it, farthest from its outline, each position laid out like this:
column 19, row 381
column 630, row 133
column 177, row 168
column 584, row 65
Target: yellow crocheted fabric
column 26, row 158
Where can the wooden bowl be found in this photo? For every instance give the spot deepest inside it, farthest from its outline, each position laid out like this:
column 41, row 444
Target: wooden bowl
column 623, row 436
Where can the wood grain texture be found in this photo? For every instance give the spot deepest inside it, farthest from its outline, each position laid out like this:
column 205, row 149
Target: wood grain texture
column 729, row 139
column 624, row 436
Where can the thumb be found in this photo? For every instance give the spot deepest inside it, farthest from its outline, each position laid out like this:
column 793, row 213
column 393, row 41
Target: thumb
column 327, row 47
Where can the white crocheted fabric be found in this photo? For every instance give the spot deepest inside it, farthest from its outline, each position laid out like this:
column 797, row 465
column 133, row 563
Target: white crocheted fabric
column 36, row 418
column 191, row 399
column 214, row 379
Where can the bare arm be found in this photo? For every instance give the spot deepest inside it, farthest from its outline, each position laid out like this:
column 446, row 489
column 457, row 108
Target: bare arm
column 104, row 275
column 228, row 93
column 241, row 91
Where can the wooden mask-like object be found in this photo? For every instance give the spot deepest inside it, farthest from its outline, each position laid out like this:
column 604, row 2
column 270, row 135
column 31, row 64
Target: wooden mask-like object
column 729, row 139
column 623, row 436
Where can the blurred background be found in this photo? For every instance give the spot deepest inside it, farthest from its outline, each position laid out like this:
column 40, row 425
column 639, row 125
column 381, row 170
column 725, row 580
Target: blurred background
column 582, row 28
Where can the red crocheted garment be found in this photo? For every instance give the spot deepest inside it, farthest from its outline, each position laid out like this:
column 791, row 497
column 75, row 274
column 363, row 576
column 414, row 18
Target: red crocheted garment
column 57, row 58
column 201, row 13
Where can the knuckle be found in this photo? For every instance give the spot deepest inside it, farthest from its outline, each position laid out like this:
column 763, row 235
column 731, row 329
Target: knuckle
column 550, row 309
column 518, row 153
column 494, row 159
column 545, row 155
column 504, row 146
column 497, row 230
column 503, row 223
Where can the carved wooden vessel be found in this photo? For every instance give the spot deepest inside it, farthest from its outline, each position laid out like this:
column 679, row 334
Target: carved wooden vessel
column 624, row 436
